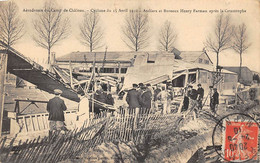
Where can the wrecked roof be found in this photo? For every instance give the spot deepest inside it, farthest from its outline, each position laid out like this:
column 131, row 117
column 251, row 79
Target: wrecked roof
column 89, row 56
column 144, row 73
column 191, row 56
column 180, row 65
column 110, row 56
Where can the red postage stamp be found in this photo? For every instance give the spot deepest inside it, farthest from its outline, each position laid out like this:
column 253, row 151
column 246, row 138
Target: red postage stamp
column 240, row 141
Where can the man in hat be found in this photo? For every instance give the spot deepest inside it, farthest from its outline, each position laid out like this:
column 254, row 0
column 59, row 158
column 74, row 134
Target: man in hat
column 140, row 85
column 146, row 99
column 192, row 94
column 133, row 99
column 100, row 96
column 55, row 107
column 200, row 91
column 214, row 100
column 150, row 88
column 155, row 98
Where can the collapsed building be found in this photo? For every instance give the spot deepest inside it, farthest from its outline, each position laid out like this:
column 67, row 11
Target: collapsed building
column 175, row 67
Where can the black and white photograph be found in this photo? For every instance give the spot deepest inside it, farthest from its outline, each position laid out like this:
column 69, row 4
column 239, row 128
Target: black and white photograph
column 174, row 81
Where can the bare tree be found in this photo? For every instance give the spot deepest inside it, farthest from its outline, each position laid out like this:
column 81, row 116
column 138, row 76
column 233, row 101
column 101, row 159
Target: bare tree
column 167, row 37
column 91, row 32
column 136, row 30
column 50, row 27
column 11, row 26
column 221, row 39
column 240, row 44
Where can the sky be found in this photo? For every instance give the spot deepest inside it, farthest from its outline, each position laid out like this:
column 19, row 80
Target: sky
column 192, row 27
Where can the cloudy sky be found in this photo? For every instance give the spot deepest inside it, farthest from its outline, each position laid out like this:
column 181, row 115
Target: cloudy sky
column 192, row 27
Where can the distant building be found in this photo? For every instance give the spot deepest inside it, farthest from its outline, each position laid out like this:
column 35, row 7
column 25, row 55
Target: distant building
column 193, row 56
column 246, row 74
column 114, row 64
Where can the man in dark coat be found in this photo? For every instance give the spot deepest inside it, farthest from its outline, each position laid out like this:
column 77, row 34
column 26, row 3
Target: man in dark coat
column 110, row 99
column 185, row 105
column 55, row 107
column 146, row 99
column 214, row 101
column 200, row 91
column 192, row 94
column 100, row 96
column 133, row 98
column 155, row 99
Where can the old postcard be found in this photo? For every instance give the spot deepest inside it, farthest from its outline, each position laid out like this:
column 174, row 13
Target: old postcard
column 129, row 81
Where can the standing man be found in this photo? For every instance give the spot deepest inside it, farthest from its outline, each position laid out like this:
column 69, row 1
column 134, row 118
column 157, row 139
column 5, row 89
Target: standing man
column 155, row 98
column 150, row 88
column 55, row 107
column 146, row 99
column 214, row 101
column 133, row 99
column 200, row 91
column 185, row 105
column 140, row 85
column 192, row 94
column 163, row 95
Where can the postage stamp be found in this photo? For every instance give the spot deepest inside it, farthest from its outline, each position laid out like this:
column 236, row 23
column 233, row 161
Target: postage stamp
column 240, row 140
column 235, row 138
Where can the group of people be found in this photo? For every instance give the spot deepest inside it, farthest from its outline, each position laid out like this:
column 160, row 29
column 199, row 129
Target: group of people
column 193, row 99
column 139, row 98
column 142, row 97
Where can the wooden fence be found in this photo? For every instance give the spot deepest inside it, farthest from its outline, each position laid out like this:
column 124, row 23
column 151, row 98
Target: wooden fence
column 60, row 146
column 35, row 122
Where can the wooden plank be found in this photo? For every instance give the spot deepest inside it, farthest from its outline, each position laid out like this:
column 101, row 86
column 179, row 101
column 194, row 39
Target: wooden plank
column 9, row 148
column 46, row 151
column 67, row 147
column 61, row 145
column 15, row 154
column 64, row 151
column 33, row 128
column 29, row 149
column 38, row 124
column 25, row 150
column 25, row 124
column 22, row 151
column 57, row 144
column 3, row 68
column 40, row 147
column 32, row 149
column 3, row 141
column 71, row 143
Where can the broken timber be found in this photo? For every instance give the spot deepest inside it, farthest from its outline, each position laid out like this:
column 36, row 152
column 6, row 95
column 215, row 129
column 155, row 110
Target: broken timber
column 32, row 72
